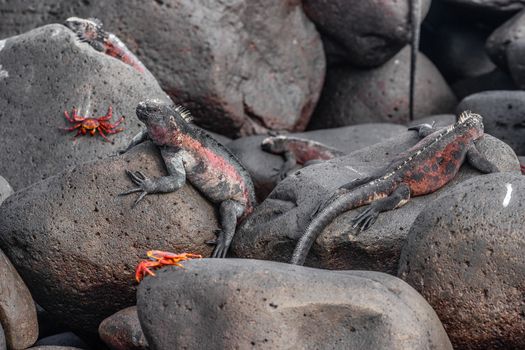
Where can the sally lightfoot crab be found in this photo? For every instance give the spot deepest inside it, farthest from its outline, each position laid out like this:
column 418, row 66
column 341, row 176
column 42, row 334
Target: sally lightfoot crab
column 157, row 259
column 85, row 125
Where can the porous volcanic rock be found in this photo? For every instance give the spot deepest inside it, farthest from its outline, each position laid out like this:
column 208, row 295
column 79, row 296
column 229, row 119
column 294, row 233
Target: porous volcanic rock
column 491, row 5
column 366, row 33
column 498, row 42
column 355, row 96
column 272, row 231
column 53, row 347
column 17, row 308
column 77, row 243
column 122, row 331
column 243, row 66
column 5, row 189
column 503, row 115
column 464, row 254
column 241, row 304
column 47, row 71
column 262, row 165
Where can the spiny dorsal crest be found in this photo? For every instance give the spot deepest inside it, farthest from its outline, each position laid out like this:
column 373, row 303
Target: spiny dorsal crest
column 96, row 21
column 184, row 113
column 466, row 115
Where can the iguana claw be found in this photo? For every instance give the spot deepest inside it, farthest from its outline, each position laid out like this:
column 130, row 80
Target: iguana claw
column 157, row 259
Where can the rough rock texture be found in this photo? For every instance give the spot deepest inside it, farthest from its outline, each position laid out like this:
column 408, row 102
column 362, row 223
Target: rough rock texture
column 122, row 331
column 464, row 254
column 491, row 5
column 365, row 33
column 5, row 189
column 352, row 96
column 262, row 165
column 35, row 92
column 209, row 304
column 231, row 61
column 458, row 51
column 17, row 308
column 68, row 339
column 495, row 80
column 77, row 243
column 52, row 347
column 507, row 34
column 271, row 232
column 503, row 115
column 3, row 345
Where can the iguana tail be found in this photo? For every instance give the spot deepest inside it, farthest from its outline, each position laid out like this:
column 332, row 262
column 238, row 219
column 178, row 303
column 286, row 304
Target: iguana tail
column 345, row 202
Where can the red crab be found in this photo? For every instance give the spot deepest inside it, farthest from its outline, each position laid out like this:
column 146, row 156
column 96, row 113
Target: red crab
column 158, row 259
column 91, row 125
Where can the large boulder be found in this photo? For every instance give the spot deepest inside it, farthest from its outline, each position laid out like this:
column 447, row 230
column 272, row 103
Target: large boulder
column 464, row 254
column 231, row 61
column 47, row 71
column 364, row 33
column 272, row 231
column 355, row 96
column 502, row 113
column 262, row 165
column 76, row 243
column 242, row 304
column 17, row 309
column 494, row 6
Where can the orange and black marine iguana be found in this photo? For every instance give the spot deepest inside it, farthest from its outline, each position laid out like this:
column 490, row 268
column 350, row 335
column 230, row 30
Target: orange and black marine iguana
column 190, row 153
column 91, row 31
column 423, row 169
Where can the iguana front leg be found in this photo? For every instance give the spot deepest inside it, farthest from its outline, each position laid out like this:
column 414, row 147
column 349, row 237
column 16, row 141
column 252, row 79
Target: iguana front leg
column 367, row 217
column 165, row 184
column 289, row 163
column 140, row 137
column 480, row 162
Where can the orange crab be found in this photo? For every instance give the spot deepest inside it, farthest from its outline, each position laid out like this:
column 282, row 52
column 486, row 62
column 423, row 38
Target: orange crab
column 92, row 125
column 157, row 259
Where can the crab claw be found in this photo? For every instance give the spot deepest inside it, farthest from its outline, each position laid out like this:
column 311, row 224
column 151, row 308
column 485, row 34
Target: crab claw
column 143, row 269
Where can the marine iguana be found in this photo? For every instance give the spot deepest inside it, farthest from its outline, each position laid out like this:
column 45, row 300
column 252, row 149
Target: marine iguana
column 297, row 150
column 423, row 169
column 91, row 31
column 190, row 153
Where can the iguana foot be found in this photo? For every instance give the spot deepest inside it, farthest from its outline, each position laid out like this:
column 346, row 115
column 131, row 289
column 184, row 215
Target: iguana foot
column 157, row 259
column 221, row 246
column 280, row 173
column 365, row 219
column 146, row 185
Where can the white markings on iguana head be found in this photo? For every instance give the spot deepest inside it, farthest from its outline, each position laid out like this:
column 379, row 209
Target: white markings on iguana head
column 508, row 195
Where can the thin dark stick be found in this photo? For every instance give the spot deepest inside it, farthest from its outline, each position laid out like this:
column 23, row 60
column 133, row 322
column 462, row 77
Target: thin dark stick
column 415, row 28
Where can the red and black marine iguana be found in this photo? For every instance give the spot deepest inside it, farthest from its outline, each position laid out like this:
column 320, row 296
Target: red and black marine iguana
column 190, row 153
column 91, row 31
column 423, row 169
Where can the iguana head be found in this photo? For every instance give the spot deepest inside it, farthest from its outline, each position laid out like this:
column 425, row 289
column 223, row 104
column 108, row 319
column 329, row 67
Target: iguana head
column 273, row 144
column 163, row 120
column 471, row 123
column 89, row 30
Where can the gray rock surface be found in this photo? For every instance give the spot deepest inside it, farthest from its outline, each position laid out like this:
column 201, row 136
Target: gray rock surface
column 35, row 92
column 498, row 42
column 53, row 347
column 439, row 120
column 464, row 254
column 495, row 80
column 241, row 304
column 3, row 345
column 17, row 308
column 491, row 5
column 230, row 61
column 68, row 339
column 122, row 331
column 353, row 96
column 365, row 33
column 261, row 164
column 503, row 115
column 5, row 189
column 77, row 243
column 272, row 231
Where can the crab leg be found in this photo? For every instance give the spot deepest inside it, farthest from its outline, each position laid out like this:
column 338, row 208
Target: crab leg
column 108, row 115
column 102, row 134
